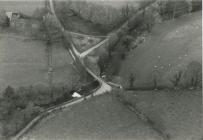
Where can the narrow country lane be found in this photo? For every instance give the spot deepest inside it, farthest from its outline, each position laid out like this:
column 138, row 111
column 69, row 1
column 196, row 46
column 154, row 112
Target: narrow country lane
column 77, row 58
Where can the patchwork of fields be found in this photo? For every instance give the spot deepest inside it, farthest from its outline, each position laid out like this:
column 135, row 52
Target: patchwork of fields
column 170, row 47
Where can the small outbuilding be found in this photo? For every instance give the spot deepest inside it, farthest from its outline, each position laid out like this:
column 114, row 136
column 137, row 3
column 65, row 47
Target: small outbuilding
column 76, row 95
column 12, row 15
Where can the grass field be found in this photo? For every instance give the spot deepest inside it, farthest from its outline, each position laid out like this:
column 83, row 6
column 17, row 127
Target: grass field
column 25, row 62
column 177, row 113
column 170, row 47
column 24, row 6
column 100, row 118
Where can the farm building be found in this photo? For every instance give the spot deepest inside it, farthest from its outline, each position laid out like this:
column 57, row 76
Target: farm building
column 22, row 24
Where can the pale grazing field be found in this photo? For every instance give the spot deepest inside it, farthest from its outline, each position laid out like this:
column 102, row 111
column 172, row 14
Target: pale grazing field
column 23, row 63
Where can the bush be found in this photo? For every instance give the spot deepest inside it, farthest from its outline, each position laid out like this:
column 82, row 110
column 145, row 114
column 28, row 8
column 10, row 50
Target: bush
column 9, row 92
column 103, row 62
column 196, row 5
column 176, row 79
column 193, row 75
column 20, row 118
column 126, row 40
column 155, row 79
column 4, row 20
column 6, row 109
column 131, row 80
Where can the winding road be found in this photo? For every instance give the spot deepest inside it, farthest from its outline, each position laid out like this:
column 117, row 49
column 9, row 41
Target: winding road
column 78, row 58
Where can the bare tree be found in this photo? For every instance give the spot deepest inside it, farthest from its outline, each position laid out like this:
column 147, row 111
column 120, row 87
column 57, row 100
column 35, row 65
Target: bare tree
column 9, row 92
column 131, row 80
column 155, row 78
column 174, row 9
column 91, row 13
column 193, row 74
column 103, row 62
column 125, row 11
column 176, row 79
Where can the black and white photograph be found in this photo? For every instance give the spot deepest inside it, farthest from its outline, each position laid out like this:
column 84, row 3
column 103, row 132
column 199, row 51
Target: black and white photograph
column 101, row 70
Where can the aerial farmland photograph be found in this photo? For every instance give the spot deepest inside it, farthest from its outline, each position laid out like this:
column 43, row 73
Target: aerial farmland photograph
column 101, row 70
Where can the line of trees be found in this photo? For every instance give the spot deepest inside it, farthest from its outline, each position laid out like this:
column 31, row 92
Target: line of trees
column 107, row 18
column 104, row 17
column 170, row 9
column 189, row 78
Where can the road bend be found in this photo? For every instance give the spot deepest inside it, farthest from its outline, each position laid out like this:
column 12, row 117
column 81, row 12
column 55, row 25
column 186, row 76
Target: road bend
column 79, row 57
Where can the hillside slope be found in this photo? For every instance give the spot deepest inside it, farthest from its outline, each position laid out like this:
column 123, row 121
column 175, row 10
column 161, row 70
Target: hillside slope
column 99, row 118
column 170, row 47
